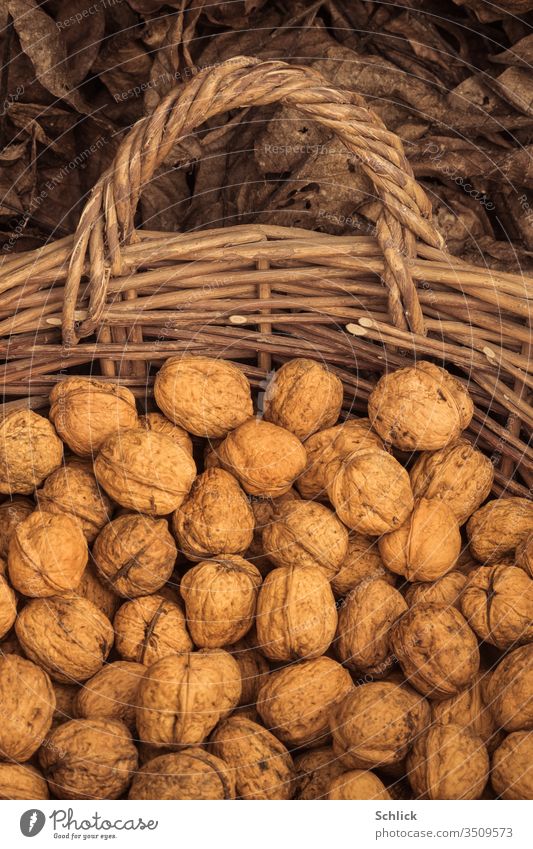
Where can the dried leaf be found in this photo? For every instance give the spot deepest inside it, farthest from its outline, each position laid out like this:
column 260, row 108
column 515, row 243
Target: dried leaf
column 82, row 28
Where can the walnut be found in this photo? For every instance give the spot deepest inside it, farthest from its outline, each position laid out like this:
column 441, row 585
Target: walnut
column 190, row 774
column 144, row 470
column 135, row 554
column 150, row 628
column 111, row 693
column 20, row 781
column 68, row 636
column 315, row 769
column 437, row 650
column 296, row 613
column 253, row 666
column 370, row 491
column 458, row 474
column 220, row 598
column 303, row 397
column 86, row 412
column 207, row 397
column 499, row 527
column 8, row 607
column 47, row 554
column 89, row 759
column 215, row 518
column 498, row 603
column 362, row 563
column 28, row 702
column 512, row 776
column 523, row 554
column 261, row 764
column 93, row 589
column 73, row 489
column 295, row 701
column 377, row 723
column 420, row 408
column 183, row 696
column 304, row 533
column 11, row 513
column 357, row 784
column 448, row 762
column 426, row 546
column 365, row 619
column 447, row 590
column 469, row 708
column 30, row 450
column 264, row 510
column 509, row 690
column 157, row 422
column 265, row 458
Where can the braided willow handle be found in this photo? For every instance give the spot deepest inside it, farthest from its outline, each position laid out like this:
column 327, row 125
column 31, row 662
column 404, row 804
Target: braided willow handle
column 107, row 219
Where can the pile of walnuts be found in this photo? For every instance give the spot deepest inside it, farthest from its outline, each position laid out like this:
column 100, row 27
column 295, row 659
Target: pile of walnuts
column 208, row 602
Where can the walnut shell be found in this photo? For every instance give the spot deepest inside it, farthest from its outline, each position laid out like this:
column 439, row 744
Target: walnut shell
column 468, row 708
column 68, row 636
column 315, row 769
column 499, row 527
column 523, row 554
column 498, row 603
column 183, row 696
column 93, row 589
column 303, row 397
column 420, row 408
column 20, row 781
column 447, row 591
column 458, row 474
column 295, row 701
column 365, row 620
column 362, row 563
column 190, row 774
column 215, row 518
column 73, row 489
column 135, row 554
column 509, row 690
column 220, row 598
column 89, row 759
column 357, row 784
column 261, row 764
column 111, row 693
column 47, row 555
column 304, row 533
column 512, row 776
column 377, row 723
column 264, row 510
column 265, row 458
column 426, row 546
column 30, row 450
column 370, row 491
column 206, row 396
column 437, row 650
column 28, row 702
column 159, row 423
column 65, row 698
column 146, row 471
column 296, row 613
column 448, row 762
column 86, row 412
column 253, row 666
column 12, row 512
column 8, row 607
column 150, row 628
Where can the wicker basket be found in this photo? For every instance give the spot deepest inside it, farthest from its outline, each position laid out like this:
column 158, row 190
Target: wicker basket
column 117, row 301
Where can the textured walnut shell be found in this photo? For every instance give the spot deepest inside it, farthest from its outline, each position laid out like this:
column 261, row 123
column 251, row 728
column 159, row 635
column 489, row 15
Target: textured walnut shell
column 265, row 458
column 296, row 613
column 512, row 776
column 8, row 607
column 182, row 697
column 101, row 594
column 47, row 555
column 68, row 636
column 436, row 648
column 111, row 693
column 370, row 491
column 253, row 666
column 146, row 471
column 426, row 546
column 458, row 474
column 190, row 774
column 523, row 554
column 468, row 708
column 261, row 764
column 28, row 702
column 303, row 397
column 499, row 527
column 362, row 563
column 498, row 603
column 365, row 620
column 157, row 422
column 315, row 769
column 11, row 513
column 135, row 554
column 220, row 599
column 215, row 518
column 86, row 412
column 447, row 591
column 30, row 450
column 448, row 762
column 65, row 698
column 73, row 489
column 295, row 701
column 509, row 690
column 89, row 759
column 264, row 510
column 207, row 397
column 357, row 784
column 150, row 628
column 420, row 408
column 304, row 533
column 20, row 781
column 377, row 723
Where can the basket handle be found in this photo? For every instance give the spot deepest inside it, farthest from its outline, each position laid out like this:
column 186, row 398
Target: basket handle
column 107, row 219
